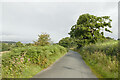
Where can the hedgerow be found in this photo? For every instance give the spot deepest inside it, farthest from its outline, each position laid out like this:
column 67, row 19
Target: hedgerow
column 17, row 60
column 102, row 58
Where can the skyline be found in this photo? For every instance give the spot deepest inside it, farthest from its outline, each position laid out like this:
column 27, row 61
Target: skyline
column 23, row 21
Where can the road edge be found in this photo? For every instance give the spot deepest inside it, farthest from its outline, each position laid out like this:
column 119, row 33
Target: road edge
column 50, row 65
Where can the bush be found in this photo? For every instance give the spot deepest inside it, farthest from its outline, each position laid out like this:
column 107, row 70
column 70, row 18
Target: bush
column 19, row 44
column 68, row 42
column 14, row 62
column 102, row 57
column 5, row 46
column 110, row 48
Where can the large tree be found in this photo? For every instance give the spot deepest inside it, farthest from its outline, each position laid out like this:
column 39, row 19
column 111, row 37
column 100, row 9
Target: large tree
column 88, row 29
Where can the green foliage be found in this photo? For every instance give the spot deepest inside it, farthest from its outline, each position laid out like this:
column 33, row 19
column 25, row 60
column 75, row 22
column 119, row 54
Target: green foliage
column 110, row 48
column 28, row 44
column 19, row 44
column 0, row 47
column 67, row 42
column 109, row 38
column 15, row 62
column 102, row 57
column 44, row 39
column 88, row 27
column 5, row 46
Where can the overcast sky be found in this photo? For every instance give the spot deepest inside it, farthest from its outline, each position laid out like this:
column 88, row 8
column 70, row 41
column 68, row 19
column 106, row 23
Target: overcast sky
column 23, row 21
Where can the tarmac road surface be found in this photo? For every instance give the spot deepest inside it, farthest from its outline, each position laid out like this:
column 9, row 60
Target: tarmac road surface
column 69, row 66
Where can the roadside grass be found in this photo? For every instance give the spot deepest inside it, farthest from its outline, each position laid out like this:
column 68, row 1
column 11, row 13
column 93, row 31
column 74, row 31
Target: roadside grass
column 25, row 62
column 32, row 70
column 0, row 66
column 29, row 71
column 102, row 58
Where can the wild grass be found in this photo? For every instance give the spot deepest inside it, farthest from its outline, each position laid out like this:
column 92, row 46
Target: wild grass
column 102, row 58
column 25, row 62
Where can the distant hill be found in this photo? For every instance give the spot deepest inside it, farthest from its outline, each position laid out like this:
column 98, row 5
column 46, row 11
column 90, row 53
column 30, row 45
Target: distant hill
column 7, row 42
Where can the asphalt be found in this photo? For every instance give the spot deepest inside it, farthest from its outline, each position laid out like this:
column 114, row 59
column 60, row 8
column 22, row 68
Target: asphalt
column 69, row 66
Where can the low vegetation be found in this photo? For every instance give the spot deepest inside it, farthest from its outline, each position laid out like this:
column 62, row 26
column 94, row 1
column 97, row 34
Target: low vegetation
column 6, row 45
column 102, row 58
column 26, row 61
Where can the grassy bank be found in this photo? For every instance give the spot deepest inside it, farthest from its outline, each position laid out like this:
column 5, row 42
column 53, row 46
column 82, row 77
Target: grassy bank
column 25, row 62
column 102, row 58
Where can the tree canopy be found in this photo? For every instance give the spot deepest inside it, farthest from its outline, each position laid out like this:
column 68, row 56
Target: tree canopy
column 43, row 39
column 19, row 44
column 88, row 29
column 67, row 42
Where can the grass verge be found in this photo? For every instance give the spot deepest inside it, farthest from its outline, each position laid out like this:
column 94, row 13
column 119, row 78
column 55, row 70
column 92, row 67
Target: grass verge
column 101, row 58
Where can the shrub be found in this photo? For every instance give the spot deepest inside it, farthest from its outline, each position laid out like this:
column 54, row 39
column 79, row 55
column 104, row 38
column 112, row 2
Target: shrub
column 14, row 62
column 19, row 44
column 5, row 46
column 103, row 57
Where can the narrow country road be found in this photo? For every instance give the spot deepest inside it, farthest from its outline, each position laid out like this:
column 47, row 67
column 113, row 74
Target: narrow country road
column 69, row 66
